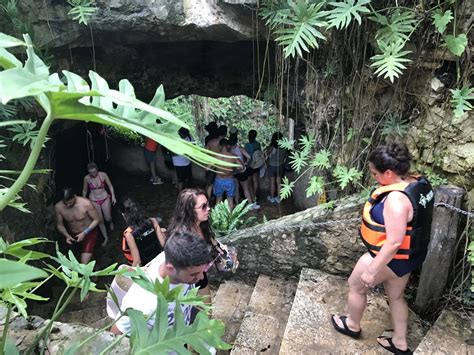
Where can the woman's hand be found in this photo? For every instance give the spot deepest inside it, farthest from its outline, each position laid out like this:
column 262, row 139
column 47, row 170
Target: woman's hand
column 367, row 279
column 114, row 200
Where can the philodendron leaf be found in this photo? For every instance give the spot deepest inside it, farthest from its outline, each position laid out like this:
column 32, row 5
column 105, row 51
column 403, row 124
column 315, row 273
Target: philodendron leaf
column 7, row 41
column 442, row 19
column 13, row 273
column 456, row 45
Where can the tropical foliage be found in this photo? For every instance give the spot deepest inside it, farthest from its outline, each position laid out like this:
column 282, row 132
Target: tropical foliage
column 71, row 97
column 319, row 164
column 300, row 25
column 224, row 221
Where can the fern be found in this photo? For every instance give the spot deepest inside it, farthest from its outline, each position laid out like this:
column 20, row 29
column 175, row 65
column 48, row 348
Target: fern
column 82, row 10
column 307, row 143
column 442, row 19
column 399, row 26
column 321, row 159
column 461, row 100
column 25, row 133
column 286, row 188
column 299, row 29
column 315, row 186
column 390, row 62
column 344, row 11
column 274, row 13
column 456, row 45
column 344, row 176
column 224, row 222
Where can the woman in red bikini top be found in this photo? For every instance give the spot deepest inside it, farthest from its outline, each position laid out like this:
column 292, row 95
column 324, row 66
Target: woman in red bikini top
column 94, row 184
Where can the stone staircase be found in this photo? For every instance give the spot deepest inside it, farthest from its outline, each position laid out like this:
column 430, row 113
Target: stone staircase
column 282, row 317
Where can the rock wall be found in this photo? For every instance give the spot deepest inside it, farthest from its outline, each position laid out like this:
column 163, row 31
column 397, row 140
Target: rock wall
column 284, row 246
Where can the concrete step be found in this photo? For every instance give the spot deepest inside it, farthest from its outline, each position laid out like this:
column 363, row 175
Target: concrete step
column 448, row 336
column 267, row 313
column 229, row 304
column 309, row 329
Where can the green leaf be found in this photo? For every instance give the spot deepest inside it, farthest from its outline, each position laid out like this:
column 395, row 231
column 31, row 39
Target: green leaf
column 17, row 249
column 344, row 176
column 34, row 64
column 286, row 143
column 7, row 41
column 82, row 10
column 18, row 82
column 299, row 31
column 321, row 159
column 442, row 19
column 456, row 45
column 10, row 347
column 298, row 161
column 286, row 188
column 13, row 273
column 400, row 25
column 461, row 100
column 345, row 11
column 315, row 186
column 389, row 63
column 8, row 60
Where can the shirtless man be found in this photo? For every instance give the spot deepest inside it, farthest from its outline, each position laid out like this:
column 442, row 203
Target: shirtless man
column 224, row 181
column 81, row 218
column 213, row 144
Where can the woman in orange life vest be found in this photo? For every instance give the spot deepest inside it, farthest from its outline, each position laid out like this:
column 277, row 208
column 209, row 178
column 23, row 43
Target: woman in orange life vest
column 395, row 228
column 144, row 238
column 95, row 183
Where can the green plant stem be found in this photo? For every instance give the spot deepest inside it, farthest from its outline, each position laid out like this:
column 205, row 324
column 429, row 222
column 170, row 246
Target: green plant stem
column 99, row 331
column 30, row 164
column 5, row 329
column 47, row 329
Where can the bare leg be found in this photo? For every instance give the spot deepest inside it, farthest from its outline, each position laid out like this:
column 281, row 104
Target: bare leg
column 278, row 185
column 218, row 199
column 230, row 201
column 357, row 297
column 272, row 186
column 107, row 213
column 86, row 257
column 255, row 184
column 152, row 170
column 395, row 289
column 102, row 228
column 209, row 190
column 246, row 188
column 237, row 192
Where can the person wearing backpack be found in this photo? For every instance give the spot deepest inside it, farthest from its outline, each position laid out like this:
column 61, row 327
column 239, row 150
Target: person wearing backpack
column 257, row 160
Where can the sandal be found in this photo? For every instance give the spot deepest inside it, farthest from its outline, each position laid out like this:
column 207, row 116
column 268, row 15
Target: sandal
column 345, row 330
column 392, row 348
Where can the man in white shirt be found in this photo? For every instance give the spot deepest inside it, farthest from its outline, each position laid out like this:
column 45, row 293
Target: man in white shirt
column 183, row 260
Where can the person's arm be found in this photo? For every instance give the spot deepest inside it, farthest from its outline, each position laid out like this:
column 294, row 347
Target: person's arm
column 137, row 261
column 115, row 330
column 245, row 154
column 111, row 188
column 61, row 227
column 94, row 215
column 396, row 211
column 84, row 187
column 160, row 232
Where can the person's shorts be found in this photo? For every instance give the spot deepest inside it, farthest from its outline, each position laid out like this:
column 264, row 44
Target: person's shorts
column 88, row 243
column 253, row 171
column 243, row 176
column 224, row 185
column 183, row 172
column 276, row 171
column 149, row 156
column 210, row 177
column 169, row 164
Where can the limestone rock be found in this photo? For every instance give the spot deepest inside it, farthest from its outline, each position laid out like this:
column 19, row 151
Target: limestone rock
column 267, row 313
column 309, row 329
column 448, row 336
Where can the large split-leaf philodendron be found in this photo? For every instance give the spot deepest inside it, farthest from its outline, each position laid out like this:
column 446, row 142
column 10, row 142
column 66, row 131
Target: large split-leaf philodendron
column 71, row 97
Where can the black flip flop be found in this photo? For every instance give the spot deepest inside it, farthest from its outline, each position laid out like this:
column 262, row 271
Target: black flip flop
column 345, row 330
column 392, row 348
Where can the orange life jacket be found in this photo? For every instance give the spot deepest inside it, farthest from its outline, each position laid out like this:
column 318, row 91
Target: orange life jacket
column 147, row 243
column 416, row 239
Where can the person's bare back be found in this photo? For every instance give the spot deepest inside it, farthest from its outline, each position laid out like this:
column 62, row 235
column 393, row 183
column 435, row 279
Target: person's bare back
column 227, row 172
